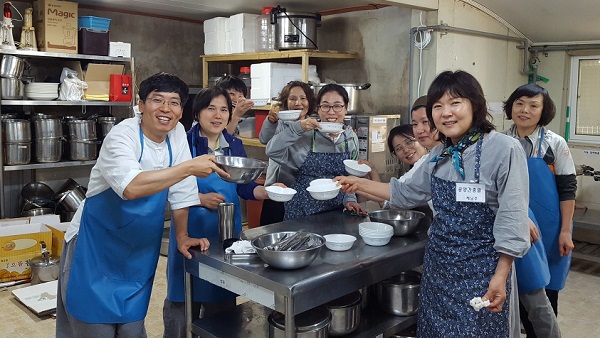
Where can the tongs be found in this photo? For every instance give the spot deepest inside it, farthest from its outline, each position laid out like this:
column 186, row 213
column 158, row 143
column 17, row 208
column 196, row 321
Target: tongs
column 281, row 244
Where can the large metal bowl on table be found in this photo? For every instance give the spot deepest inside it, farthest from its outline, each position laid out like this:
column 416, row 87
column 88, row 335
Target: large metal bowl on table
column 287, row 260
column 405, row 222
column 242, row 170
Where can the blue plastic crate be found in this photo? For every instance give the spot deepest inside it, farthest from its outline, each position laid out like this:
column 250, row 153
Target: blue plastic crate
column 93, row 22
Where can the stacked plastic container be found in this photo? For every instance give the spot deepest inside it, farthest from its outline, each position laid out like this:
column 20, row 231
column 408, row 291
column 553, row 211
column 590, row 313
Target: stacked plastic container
column 93, row 35
column 236, row 34
column 268, row 78
column 214, row 36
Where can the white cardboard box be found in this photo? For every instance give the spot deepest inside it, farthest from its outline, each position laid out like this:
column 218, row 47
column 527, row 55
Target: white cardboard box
column 40, row 298
column 117, row 49
column 268, row 78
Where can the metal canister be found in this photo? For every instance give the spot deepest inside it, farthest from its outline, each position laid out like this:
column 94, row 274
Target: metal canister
column 44, row 268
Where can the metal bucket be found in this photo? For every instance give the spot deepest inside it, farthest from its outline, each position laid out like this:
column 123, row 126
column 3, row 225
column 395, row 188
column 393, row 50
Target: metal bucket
column 16, row 131
column 82, row 130
column 47, row 127
column 83, row 150
column 12, row 89
column 17, row 153
column 48, row 149
column 12, row 66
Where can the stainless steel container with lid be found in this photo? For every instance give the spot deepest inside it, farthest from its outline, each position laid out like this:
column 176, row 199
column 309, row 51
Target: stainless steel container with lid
column 17, row 153
column 44, row 268
column 47, row 126
column 83, row 150
column 399, row 295
column 82, row 129
column 313, row 323
column 295, row 30
column 48, row 149
column 16, row 131
column 345, row 314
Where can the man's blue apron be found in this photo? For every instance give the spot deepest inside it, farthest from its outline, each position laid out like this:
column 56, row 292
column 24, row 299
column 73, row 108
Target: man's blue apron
column 544, row 202
column 116, row 255
column 202, row 222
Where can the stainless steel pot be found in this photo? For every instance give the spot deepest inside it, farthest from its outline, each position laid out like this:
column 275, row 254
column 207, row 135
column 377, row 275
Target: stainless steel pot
column 16, row 131
column 12, row 66
column 105, row 124
column 37, row 212
column 354, row 93
column 399, row 295
column 82, row 130
column 48, row 149
column 345, row 314
column 44, row 268
column 295, row 30
column 12, row 88
column 70, row 200
column 83, row 150
column 17, row 153
column 313, row 323
column 47, row 127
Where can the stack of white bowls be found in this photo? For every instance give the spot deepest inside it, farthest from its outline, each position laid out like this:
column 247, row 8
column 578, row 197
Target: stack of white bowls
column 375, row 233
column 323, row 189
column 41, row 91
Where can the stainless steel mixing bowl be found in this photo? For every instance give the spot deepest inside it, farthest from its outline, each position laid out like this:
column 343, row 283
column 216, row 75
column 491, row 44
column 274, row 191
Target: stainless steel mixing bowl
column 286, row 259
column 405, row 222
column 242, row 170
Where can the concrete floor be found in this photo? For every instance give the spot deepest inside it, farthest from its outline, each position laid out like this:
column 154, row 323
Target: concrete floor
column 579, row 306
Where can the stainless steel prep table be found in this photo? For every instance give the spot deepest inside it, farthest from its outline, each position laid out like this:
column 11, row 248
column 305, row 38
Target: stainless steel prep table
column 331, row 275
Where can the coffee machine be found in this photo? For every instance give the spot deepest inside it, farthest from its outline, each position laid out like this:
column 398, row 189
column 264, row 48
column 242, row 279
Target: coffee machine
column 372, row 131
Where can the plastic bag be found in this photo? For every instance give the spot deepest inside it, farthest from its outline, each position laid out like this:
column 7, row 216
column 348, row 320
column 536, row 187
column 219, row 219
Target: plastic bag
column 71, row 87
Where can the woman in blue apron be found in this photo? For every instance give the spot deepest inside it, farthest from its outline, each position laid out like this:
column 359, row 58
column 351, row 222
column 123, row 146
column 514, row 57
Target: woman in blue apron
column 478, row 186
column 309, row 154
column 208, row 136
column 112, row 246
column 552, row 182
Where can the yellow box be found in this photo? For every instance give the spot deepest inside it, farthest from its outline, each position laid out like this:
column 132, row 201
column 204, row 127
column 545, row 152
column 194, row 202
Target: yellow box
column 58, row 237
column 55, row 25
column 18, row 245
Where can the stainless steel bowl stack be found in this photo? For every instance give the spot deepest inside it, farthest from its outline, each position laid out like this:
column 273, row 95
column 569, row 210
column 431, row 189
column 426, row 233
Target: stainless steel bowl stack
column 242, row 170
column 287, row 260
column 405, row 222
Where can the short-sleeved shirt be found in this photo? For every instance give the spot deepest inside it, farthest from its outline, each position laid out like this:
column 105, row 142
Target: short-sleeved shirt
column 118, row 165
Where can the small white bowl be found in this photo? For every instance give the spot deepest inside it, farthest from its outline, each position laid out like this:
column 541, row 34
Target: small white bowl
column 355, row 169
column 289, row 115
column 331, row 127
column 323, row 192
column 375, row 227
column 376, row 241
column 321, row 181
column 280, row 194
column 339, row 242
column 260, row 102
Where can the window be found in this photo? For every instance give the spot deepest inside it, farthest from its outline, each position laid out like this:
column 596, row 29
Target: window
column 584, row 100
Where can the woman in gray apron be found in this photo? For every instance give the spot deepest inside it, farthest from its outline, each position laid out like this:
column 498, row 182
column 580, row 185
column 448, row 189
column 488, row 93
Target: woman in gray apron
column 310, row 154
column 478, row 184
column 552, row 187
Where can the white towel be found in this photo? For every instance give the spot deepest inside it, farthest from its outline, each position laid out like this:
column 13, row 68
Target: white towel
column 240, row 247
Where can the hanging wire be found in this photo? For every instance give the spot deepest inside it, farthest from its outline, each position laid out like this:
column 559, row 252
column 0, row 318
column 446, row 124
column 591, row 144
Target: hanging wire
column 421, row 39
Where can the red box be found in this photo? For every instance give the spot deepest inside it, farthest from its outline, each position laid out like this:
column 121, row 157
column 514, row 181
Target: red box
column 259, row 119
column 120, row 88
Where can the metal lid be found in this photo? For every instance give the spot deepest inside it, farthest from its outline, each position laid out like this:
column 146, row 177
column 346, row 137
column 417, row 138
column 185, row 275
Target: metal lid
column 310, row 320
column 349, row 300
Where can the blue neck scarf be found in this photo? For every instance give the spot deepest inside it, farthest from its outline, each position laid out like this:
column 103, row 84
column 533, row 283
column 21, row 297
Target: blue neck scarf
column 455, row 151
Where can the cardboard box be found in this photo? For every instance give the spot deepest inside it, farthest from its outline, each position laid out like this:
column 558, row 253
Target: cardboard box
column 58, row 237
column 56, row 25
column 18, row 245
column 97, row 78
column 40, row 298
column 14, row 221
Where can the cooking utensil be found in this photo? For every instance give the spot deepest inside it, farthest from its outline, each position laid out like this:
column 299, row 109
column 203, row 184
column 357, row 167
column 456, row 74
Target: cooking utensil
column 295, row 30
column 404, row 222
column 48, row 149
column 286, row 259
column 345, row 314
column 313, row 323
column 36, row 191
column 83, row 150
column 44, row 268
column 16, row 131
column 399, row 295
column 37, row 212
column 12, row 89
column 12, row 66
column 82, row 130
column 17, row 153
column 70, row 200
column 242, row 170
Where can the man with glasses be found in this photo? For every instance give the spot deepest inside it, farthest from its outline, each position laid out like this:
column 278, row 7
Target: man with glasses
column 113, row 243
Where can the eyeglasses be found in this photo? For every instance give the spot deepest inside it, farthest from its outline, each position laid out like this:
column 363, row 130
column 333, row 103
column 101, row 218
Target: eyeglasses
column 160, row 101
column 409, row 142
column 336, row 107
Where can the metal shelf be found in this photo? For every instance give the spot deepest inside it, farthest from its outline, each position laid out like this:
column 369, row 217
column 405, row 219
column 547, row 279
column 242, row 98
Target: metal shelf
column 48, row 165
column 37, row 54
column 64, row 103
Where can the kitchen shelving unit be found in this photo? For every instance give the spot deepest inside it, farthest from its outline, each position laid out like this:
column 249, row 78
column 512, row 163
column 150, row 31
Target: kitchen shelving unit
column 40, row 60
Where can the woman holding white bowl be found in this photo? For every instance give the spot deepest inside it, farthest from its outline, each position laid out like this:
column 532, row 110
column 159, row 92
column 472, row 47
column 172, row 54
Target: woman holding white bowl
column 302, row 149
